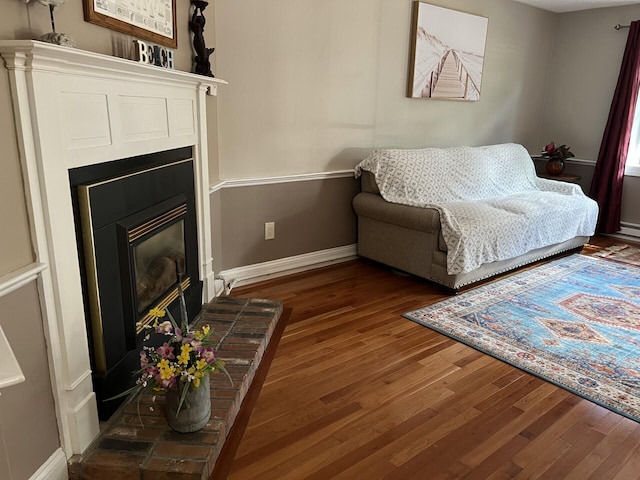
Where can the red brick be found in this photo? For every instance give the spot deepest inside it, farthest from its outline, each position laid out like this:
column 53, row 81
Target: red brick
column 151, row 450
column 109, row 465
column 183, row 451
column 169, row 469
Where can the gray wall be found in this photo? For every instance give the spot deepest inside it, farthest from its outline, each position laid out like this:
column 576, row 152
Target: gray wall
column 309, row 216
column 585, row 65
column 28, row 428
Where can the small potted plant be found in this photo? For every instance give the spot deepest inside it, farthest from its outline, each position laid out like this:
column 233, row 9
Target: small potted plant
column 556, row 155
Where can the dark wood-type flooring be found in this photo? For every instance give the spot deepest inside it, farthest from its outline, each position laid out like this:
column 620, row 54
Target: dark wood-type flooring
column 355, row 391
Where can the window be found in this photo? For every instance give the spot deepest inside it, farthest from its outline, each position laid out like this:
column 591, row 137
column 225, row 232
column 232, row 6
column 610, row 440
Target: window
column 632, row 166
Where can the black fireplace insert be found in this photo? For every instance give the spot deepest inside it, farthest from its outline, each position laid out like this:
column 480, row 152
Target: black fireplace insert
column 136, row 228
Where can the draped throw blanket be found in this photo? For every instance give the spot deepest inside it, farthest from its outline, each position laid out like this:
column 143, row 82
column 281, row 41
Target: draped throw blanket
column 492, row 205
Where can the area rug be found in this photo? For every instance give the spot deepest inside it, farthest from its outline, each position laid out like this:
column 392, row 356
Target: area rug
column 574, row 321
column 621, row 253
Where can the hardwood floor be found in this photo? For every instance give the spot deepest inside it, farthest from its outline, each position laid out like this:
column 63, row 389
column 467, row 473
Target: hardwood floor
column 355, row 391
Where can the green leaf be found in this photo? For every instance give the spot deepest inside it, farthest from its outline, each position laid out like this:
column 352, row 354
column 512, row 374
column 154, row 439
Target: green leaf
column 173, row 320
column 125, row 393
column 183, row 395
column 183, row 305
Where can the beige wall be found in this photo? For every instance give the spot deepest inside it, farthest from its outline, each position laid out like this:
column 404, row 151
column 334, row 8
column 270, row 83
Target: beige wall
column 314, row 84
column 16, row 241
column 585, row 65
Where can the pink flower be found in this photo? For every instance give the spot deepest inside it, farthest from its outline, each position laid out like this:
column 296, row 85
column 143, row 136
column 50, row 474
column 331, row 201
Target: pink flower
column 550, row 148
column 178, row 334
column 166, row 351
column 165, row 327
column 164, row 383
column 144, row 360
column 208, row 354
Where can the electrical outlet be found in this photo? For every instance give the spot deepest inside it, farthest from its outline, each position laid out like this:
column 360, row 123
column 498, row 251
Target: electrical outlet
column 269, row 230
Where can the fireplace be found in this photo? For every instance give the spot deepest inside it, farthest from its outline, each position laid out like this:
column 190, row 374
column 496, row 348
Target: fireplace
column 75, row 109
column 137, row 234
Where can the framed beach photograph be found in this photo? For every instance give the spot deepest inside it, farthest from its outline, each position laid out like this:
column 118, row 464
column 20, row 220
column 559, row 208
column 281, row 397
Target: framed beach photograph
column 150, row 20
column 447, row 53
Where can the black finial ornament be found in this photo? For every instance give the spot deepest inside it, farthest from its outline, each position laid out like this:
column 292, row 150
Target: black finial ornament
column 202, row 65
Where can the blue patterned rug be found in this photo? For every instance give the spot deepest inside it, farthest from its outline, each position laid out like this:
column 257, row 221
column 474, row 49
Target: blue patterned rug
column 574, row 322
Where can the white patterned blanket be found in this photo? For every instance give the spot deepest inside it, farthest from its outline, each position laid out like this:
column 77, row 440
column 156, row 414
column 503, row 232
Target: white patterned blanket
column 492, row 205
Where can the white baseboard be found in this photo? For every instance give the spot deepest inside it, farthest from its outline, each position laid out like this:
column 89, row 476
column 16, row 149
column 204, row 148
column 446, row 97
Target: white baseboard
column 286, row 266
column 55, row 468
column 630, row 229
column 218, row 286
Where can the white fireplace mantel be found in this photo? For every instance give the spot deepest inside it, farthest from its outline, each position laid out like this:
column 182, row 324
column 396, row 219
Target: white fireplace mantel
column 74, row 108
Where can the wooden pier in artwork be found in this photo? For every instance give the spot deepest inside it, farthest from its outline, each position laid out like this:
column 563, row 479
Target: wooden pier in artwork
column 451, row 79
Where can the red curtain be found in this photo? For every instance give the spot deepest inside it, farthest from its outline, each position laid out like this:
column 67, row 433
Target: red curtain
column 606, row 186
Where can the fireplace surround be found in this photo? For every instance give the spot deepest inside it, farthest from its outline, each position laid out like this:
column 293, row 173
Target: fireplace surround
column 74, row 109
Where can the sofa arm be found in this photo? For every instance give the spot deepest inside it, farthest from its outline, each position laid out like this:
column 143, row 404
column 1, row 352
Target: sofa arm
column 558, row 186
column 374, row 206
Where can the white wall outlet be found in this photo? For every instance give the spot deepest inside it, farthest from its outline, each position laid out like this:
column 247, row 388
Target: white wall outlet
column 269, row 230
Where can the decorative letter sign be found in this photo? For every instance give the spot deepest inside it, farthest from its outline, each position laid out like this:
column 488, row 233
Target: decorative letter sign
column 153, row 54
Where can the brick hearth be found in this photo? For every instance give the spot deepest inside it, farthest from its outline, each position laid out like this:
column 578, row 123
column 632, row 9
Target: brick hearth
column 127, row 449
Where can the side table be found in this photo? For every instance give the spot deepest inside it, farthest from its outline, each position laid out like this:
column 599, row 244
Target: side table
column 563, row 177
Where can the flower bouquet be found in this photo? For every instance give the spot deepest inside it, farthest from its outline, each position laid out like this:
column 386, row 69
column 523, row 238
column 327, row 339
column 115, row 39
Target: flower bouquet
column 181, row 364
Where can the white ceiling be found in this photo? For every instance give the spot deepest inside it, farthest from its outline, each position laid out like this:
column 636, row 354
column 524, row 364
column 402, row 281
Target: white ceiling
column 561, row 6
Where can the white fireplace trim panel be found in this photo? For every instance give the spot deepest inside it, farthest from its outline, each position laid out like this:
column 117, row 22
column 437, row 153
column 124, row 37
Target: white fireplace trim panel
column 74, row 108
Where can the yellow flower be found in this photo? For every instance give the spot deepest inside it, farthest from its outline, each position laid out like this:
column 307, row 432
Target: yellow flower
column 200, row 334
column 183, row 358
column 156, row 312
column 165, row 369
column 200, row 364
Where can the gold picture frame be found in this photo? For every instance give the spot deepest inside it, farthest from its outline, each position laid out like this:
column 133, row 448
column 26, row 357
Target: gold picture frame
column 150, row 20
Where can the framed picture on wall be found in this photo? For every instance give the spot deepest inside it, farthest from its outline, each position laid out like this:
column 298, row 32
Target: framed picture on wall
column 447, row 53
column 150, row 20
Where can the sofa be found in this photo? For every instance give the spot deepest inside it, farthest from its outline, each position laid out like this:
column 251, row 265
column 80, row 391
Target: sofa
column 459, row 215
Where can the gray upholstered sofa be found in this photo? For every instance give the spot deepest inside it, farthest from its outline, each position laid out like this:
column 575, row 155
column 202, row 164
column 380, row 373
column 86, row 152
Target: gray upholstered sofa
column 410, row 238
